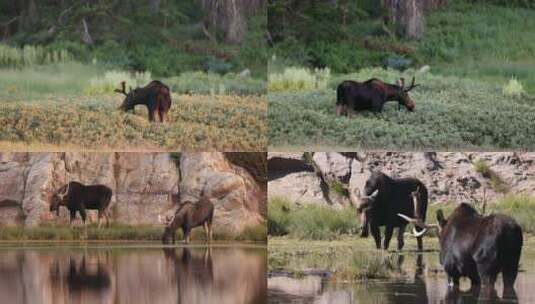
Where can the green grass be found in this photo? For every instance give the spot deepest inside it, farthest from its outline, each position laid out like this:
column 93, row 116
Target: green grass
column 119, row 232
column 496, row 181
column 346, row 259
column 310, row 221
column 451, row 113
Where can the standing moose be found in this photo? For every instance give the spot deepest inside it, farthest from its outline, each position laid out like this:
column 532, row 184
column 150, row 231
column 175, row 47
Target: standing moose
column 371, row 95
column 385, row 198
column 189, row 216
column 79, row 197
column 479, row 247
column 156, row 96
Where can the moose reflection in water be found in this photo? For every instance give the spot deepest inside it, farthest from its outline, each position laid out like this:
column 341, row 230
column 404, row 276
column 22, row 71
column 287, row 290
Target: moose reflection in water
column 416, row 279
column 133, row 274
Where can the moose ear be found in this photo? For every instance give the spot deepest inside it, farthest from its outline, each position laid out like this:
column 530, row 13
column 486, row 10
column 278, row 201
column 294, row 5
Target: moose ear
column 440, row 218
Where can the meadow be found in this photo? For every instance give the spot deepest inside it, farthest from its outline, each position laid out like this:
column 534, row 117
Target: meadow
column 451, row 113
column 72, row 106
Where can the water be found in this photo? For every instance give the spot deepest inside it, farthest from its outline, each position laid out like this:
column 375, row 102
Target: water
column 419, row 279
column 133, row 274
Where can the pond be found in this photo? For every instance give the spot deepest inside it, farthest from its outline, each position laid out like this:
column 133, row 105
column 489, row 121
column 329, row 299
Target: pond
column 133, row 273
column 415, row 278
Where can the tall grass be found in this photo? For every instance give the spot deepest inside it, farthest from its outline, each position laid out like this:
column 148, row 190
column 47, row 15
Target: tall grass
column 298, row 79
column 310, row 221
column 215, row 84
column 119, row 232
column 31, row 55
column 112, row 79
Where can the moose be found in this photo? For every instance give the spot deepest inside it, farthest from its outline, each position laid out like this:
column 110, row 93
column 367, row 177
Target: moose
column 372, row 95
column 479, row 247
column 187, row 217
column 78, row 197
column 384, row 199
column 155, row 96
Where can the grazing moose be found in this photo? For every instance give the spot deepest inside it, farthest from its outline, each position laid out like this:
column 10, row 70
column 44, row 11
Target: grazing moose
column 156, row 96
column 371, row 95
column 79, row 197
column 187, row 217
column 479, row 247
column 384, row 199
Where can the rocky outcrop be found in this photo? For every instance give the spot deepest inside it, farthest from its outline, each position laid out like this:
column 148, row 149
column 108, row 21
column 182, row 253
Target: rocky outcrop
column 239, row 200
column 145, row 185
column 450, row 176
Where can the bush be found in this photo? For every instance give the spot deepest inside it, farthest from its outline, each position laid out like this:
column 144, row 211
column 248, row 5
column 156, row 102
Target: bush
column 310, row 221
column 215, row 84
column 513, row 88
column 298, row 79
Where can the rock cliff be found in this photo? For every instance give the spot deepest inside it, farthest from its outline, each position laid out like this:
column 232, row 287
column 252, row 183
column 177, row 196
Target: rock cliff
column 449, row 176
column 144, row 186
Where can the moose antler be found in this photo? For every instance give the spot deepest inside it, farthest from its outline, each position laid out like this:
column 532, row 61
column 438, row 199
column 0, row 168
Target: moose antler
column 62, row 195
column 412, row 85
column 123, row 88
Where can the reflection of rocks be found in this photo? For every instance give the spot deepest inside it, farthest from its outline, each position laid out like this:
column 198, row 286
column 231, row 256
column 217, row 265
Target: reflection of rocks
column 308, row 289
column 224, row 275
column 144, row 185
column 449, row 176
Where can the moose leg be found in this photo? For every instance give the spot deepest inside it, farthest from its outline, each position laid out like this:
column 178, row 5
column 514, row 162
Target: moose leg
column 388, row 235
column 401, row 242
column 73, row 216
column 420, row 242
column 161, row 114
column 376, row 233
column 186, row 235
column 210, row 231
column 151, row 115
column 206, row 231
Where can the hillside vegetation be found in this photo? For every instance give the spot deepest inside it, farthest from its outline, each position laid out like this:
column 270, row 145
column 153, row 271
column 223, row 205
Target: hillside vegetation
column 451, row 113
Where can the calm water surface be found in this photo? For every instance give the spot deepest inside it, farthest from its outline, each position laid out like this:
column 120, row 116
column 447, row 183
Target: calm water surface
column 419, row 279
column 133, row 274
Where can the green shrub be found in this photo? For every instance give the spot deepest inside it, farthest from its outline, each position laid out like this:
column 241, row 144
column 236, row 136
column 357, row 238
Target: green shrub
column 513, row 88
column 310, row 221
column 451, row 113
column 298, row 79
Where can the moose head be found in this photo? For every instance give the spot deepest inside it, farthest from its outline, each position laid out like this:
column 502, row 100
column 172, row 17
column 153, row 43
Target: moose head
column 58, row 198
column 130, row 98
column 402, row 94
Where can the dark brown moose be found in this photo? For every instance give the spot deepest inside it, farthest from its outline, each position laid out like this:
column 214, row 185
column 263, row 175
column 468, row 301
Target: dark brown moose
column 155, row 96
column 479, row 247
column 187, row 217
column 78, row 197
column 371, row 95
column 386, row 197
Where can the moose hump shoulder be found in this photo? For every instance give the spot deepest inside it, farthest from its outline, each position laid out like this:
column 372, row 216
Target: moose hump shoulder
column 156, row 96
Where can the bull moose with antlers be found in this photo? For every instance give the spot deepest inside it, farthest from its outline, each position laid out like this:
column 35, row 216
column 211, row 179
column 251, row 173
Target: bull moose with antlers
column 155, row 96
column 387, row 198
column 372, row 95
column 78, row 197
